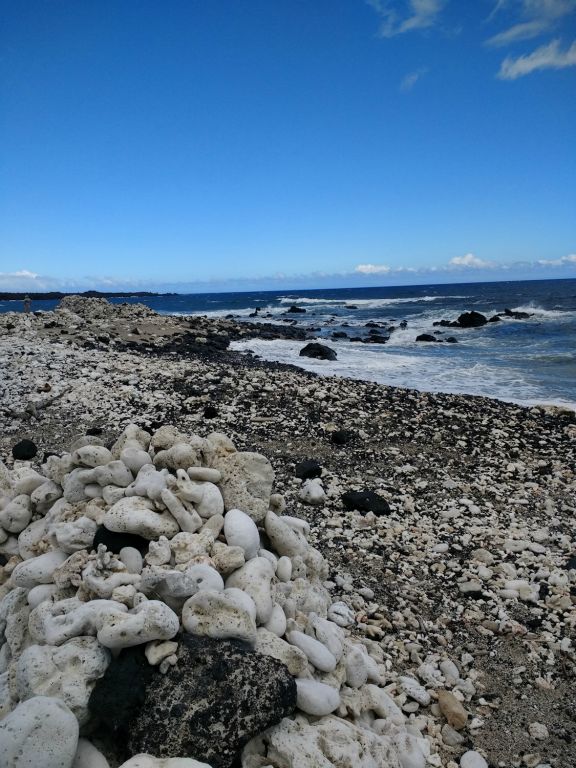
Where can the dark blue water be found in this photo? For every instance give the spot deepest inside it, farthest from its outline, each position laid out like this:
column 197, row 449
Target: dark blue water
column 526, row 361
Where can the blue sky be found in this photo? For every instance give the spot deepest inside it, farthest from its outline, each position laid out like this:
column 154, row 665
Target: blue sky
column 194, row 144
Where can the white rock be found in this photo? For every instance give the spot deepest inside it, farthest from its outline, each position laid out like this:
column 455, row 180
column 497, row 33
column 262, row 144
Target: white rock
column 137, row 515
column 416, row 691
column 284, row 539
column 135, row 459
column 271, row 645
column 312, row 492
column 241, row 531
column 41, row 593
column 45, row 495
column 132, row 559
column 148, row 761
column 341, row 614
column 328, row 633
column 316, row 698
column 318, row 655
column 92, row 456
column 254, row 578
column 197, row 578
column 38, row 570
column 150, row 620
column 218, row 615
column 246, row 483
column 113, row 473
column 39, row 733
column 538, row 731
column 356, row 668
column 186, row 516
column 16, row 514
column 204, row 474
column 157, row 651
column 87, row 756
column 472, row 759
column 68, row 672
column 284, row 569
column 277, row 621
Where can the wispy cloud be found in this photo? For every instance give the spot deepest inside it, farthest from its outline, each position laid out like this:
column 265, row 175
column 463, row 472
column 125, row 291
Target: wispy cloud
column 471, row 261
column 400, row 17
column 546, row 57
column 525, row 30
column 409, row 81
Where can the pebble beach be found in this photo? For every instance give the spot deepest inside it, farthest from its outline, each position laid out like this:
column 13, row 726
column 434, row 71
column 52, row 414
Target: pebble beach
column 434, row 542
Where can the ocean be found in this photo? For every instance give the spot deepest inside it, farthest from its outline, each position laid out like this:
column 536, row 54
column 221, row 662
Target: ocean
column 525, row 361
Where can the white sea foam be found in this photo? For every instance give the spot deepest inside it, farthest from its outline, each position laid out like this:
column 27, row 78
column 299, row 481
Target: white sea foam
column 363, row 303
column 432, row 371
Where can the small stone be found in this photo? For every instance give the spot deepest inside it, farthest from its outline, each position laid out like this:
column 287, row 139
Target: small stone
column 538, row 731
column 24, row 450
column 452, row 710
column 472, row 759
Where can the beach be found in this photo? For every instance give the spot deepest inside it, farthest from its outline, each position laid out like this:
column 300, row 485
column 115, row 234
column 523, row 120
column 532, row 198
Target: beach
column 473, row 561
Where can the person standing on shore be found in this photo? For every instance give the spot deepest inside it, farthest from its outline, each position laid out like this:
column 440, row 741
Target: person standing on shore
column 27, row 303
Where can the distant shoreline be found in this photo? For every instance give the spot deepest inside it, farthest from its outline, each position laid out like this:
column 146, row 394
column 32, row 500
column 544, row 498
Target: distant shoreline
column 19, row 296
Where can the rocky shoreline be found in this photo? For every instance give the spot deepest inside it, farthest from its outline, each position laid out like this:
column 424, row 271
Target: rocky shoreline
column 463, row 579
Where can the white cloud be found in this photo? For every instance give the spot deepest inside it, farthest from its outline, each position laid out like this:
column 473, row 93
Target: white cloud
column 526, row 30
column 469, row 260
column 546, row 57
column 414, row 14
column 409, row 81
column 372, row 269
column 562, row 261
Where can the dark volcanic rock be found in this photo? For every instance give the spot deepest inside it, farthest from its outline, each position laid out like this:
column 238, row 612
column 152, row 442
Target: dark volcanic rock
column 426, row 337
column 296, row 310
column 495, row 319
column 210, row 412
column 472, row 320
column 365, row 501
column 308, row 469
column 517, row 315
column 24, row 450
column 216, row 698
column 451, row 339
column 342, row 436
column 116, row 541
column 319, row 351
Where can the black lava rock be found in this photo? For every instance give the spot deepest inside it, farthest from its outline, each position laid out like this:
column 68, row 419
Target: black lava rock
column 426, row 337
column 210, row 412
column 24, row 450
column 365, row 501
column 218, row 696
column 472, row 320
column 116, row 541
column 342, row 436
column 319, row 351
column 308, row 469
column 296, row 310
column 451, row 340
column 517, row 315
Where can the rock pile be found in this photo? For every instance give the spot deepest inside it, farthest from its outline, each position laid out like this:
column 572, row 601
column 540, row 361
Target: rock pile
column 218, row 575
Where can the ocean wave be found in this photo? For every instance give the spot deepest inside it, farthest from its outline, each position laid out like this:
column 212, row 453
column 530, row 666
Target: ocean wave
column 428, row 371
column 538, row 311
column 364, row 303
